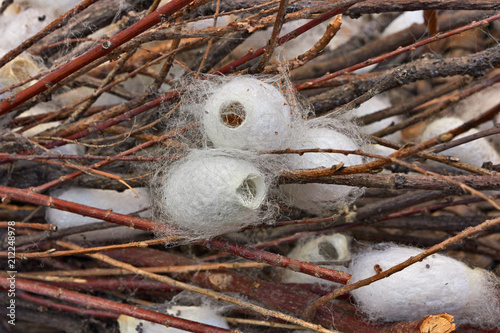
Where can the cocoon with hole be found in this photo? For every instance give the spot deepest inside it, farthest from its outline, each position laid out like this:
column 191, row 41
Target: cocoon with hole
column 438, row 284
column 247, row 113
column 317, row 198
column 211, row 192
column 474, row 153
column 324, row 248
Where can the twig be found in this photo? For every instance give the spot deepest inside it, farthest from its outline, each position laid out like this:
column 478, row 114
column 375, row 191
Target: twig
column 271, row 43
column 64, row 307
column 55, row 253
column 278, row 260
column 59, row 22
column 39, row 226
column 46, row 275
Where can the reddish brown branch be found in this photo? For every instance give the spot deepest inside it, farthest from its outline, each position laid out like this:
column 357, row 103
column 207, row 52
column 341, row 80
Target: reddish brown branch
column 64, row 307
column 278, row 260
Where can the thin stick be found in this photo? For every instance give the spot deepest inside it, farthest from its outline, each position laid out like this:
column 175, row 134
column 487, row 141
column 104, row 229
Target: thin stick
column 37, row 226
column 94, row 54
column 271, row 43
column 56, row 24
column 56, row 253
column 117, row 271
column 278, row 260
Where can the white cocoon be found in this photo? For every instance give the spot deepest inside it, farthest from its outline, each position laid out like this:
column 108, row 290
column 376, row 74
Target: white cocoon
column 475, row 152
column 477, row 104
column 210, row 193
column 438, row 284
column 404, row 21
column 373, row 105
column 124, row 202
column 323, row 248
column 18, row 27
column 247, row 113
column 316, row 198
column 199, row 314
column 53, row 7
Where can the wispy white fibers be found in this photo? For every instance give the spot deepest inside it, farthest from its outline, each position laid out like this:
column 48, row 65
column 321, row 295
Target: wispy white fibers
column 438, row 284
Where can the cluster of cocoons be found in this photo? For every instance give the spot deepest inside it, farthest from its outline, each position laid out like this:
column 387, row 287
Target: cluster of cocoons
column 211, row 192
column 438, row 284
column 221, row 187
column 198, row 314
column 475, row 152
column 324, row 248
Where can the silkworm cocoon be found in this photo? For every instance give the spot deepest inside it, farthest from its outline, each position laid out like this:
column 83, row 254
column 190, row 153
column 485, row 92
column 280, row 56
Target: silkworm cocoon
column 373, row 105
column 247, row 113
column 320, row 249
column 199, row 314
column 404, row 21
column 438, row 284
column 17, row 27
column 54, row 7
column 124, row 202
column 317, row 198
column 479, row 103
column 475, row 152
column 211, row 192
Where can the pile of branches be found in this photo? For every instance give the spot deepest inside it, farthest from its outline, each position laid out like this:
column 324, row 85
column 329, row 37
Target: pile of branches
column 64, row 286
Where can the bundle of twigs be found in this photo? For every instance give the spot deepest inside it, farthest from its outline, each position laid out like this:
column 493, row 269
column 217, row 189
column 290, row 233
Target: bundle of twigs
column 64, row 286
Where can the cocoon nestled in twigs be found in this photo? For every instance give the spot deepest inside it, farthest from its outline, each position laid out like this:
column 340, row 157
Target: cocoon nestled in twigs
column 318, row 198
column 475, row 152
column 438, row 284
column 212, row 192
column 247, row 113
column 320, row 249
